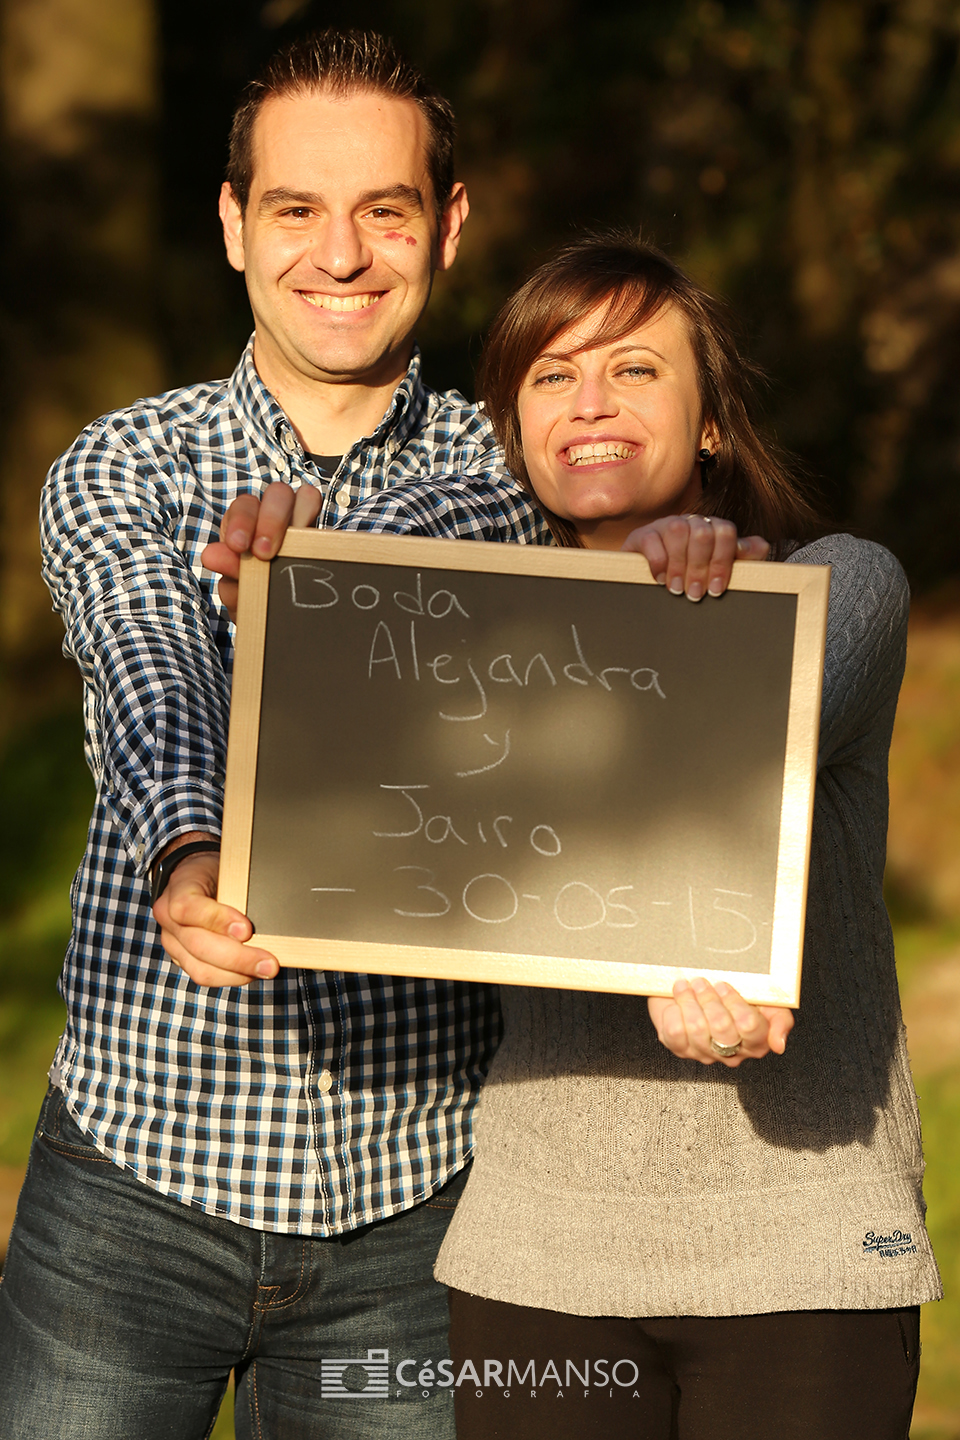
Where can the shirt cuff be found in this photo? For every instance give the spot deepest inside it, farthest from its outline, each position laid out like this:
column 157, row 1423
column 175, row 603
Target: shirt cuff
column 149, row 825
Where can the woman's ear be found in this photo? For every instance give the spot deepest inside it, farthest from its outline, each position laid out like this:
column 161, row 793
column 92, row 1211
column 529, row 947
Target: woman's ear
column 710, row 437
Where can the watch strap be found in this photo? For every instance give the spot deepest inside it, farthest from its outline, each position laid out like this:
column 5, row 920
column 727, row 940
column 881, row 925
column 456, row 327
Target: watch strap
column 164, row 868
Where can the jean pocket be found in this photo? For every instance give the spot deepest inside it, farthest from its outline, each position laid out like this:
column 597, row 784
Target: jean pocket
column 447, row 1196
column 59, row 1130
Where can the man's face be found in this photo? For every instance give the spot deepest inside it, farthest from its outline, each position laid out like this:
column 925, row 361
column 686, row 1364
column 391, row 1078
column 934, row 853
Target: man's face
column 340, row 239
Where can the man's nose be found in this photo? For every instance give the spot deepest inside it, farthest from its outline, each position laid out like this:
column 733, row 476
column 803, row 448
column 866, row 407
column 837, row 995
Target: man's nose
column 340, row 248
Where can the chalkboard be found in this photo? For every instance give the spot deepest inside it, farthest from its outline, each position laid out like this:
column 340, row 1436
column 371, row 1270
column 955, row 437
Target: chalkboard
column 522, row 764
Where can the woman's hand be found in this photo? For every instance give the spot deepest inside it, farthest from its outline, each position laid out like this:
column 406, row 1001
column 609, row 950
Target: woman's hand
column 258, row 526
column 700, row 1012
column 694, row 555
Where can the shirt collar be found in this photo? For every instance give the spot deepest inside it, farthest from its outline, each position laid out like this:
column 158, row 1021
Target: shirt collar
column 262, row 416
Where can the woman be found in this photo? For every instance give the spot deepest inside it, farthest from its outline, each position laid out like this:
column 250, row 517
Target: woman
column 748, row 1241
column 679, row 1250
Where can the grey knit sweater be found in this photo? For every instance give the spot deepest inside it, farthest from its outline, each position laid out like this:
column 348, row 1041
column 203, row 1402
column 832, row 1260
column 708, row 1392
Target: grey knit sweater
column 613, row 1179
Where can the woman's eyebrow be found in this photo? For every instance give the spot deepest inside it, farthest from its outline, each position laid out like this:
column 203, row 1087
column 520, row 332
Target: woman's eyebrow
column 627, row 349
column 551, row 355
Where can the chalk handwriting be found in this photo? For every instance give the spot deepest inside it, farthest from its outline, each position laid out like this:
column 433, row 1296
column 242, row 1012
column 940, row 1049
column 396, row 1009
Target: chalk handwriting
column 482, row 770
column 504, row 669
column 439, row 828
column 492, row 899
column 312, row 588
column 428, row 889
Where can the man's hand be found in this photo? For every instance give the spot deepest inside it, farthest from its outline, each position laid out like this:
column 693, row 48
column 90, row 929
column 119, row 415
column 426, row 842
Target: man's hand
column 700, row 1012
column 203, row 937
column 693, row 555
column 258, row 527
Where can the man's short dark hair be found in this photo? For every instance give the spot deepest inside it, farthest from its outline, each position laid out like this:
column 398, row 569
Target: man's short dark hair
column 342, row 61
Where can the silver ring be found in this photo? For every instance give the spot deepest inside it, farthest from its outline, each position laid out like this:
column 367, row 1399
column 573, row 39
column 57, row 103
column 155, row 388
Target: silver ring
column 725, row 1050
column 707, row 518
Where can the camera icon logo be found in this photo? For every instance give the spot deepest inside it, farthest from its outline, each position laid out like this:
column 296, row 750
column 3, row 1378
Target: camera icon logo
column 356, row 1379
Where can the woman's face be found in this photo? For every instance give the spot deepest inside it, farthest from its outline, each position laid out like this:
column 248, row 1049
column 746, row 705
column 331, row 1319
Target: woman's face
column 611, row 432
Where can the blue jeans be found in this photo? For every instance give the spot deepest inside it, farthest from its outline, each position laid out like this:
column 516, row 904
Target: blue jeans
column 122, row 1313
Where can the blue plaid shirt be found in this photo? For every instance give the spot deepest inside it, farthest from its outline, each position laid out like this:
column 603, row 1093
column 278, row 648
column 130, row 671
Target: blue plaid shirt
column 316, row 1102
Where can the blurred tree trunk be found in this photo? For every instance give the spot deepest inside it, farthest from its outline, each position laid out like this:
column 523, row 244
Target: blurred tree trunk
column 79, row 270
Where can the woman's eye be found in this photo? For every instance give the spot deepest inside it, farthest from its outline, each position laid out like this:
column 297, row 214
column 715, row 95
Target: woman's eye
column 552, row 377
column 640, row 372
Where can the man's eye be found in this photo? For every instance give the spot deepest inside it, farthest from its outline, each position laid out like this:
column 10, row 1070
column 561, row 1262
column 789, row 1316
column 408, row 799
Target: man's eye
column 382, row 213
column 297, row 212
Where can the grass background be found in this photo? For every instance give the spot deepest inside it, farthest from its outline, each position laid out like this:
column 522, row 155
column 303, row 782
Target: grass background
column 46, row 794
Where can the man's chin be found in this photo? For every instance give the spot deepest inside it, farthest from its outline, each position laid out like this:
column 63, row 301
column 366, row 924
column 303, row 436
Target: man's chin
column 352, row 364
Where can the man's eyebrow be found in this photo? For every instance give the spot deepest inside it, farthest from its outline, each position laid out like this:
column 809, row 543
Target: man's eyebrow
column 280, row 195
column 409, row 194
column 270, row 199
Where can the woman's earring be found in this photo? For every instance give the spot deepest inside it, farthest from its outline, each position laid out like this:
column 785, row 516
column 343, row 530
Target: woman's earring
column 707, row 458
column 704, row 456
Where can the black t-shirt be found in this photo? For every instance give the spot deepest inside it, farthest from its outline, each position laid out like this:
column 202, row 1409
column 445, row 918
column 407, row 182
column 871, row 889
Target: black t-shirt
column 326, row 464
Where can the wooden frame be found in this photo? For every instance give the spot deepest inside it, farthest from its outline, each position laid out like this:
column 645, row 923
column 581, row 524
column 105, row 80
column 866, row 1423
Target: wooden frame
column 779, row 979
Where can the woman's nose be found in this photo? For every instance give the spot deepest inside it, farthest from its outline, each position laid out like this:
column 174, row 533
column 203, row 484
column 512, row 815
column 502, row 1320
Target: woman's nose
column 593, row 399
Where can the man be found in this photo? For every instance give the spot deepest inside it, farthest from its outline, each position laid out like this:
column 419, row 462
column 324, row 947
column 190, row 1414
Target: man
column 235, row 1175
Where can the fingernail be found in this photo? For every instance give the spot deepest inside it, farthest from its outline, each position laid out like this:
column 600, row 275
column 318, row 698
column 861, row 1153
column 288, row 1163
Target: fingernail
column 239, row 539
column 695, row 590
column 660, row 579
column 676, row 585
column 237, row 932
column 261, row 546
column 699, row 985
column 265, row 969
column 716, row 586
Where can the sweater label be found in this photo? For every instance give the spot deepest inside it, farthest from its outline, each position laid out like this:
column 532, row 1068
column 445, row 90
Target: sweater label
column 889, row 1244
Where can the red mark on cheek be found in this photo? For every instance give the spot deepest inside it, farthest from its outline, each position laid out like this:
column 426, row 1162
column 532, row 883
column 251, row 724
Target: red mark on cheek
column 395, row 235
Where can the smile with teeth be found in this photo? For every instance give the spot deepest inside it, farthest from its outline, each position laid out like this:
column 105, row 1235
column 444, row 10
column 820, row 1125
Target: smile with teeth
column 341, row 304
column 597, row 453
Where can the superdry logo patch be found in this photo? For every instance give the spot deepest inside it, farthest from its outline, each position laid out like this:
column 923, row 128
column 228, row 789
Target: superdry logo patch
column 889, row 1247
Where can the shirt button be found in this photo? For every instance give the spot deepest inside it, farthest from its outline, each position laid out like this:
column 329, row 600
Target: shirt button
column 325, row 1082
column 289, row 441
column 138, row 854
column 343, row 499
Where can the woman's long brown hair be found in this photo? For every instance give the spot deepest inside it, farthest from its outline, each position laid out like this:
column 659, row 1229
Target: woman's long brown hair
column 750, row 482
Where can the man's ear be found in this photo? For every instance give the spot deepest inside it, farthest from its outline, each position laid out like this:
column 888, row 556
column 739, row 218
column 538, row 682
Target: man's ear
column 231, row 217
column 455, row 212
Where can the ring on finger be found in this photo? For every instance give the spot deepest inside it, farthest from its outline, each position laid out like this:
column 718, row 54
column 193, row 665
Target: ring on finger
column 725, row 1051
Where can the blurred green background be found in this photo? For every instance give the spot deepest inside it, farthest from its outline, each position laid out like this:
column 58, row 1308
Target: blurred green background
column 801, row 158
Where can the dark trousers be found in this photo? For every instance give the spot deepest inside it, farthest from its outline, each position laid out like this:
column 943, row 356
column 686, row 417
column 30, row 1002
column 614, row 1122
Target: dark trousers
column 800, row 1375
